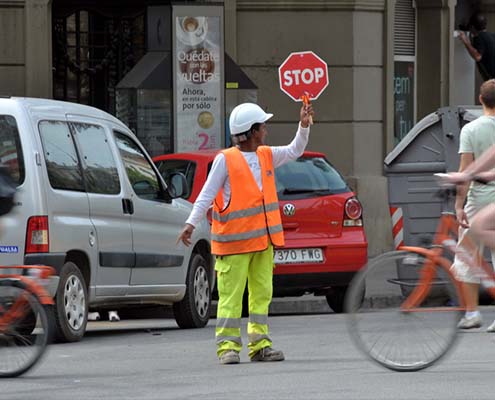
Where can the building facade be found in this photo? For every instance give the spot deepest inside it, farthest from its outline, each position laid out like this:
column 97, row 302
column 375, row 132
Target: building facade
column 391, row 62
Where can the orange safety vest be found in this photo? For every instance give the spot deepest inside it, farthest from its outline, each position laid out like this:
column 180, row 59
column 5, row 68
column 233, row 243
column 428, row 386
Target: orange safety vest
column 251, row 217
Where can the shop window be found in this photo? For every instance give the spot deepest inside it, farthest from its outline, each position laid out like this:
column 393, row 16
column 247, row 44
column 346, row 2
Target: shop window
column 92, row 51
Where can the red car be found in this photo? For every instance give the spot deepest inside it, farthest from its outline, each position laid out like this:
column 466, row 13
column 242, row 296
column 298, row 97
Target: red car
column 325, row 242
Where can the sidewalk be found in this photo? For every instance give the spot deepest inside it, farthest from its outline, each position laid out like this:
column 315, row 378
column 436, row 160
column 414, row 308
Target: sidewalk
column 307, row 304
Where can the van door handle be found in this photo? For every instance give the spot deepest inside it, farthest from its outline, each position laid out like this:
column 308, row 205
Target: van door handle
column 128, row 206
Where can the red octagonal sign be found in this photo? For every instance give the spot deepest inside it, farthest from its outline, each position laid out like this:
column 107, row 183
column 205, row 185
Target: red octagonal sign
column 303, row 73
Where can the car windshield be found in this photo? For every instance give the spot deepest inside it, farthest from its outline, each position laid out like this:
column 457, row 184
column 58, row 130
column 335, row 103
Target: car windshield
column 307, row 177
column 11, row 158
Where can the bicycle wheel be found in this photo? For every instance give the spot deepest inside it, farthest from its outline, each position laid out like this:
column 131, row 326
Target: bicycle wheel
column 402, row 340
column 22, row 343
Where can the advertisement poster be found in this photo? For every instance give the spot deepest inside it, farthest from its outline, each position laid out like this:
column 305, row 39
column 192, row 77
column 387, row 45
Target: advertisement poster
column 403, row 98
column 198, row 82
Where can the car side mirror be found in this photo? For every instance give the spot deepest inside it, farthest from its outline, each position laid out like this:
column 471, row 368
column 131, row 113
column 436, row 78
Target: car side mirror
column 177, row 186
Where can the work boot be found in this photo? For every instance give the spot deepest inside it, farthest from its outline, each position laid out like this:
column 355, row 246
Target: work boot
column 229, row 357
column 268, row 354
column 470, row 322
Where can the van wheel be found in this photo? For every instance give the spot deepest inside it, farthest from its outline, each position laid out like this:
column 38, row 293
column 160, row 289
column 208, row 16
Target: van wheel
column 193, row 311
column 71, row 305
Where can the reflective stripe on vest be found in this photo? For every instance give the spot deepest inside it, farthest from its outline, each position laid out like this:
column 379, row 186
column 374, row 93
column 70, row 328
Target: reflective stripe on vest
column 252, row 217
column 244, row 213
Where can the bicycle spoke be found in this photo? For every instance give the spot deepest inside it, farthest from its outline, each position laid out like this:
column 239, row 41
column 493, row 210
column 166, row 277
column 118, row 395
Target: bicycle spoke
column 22, row 342
column 402, row 339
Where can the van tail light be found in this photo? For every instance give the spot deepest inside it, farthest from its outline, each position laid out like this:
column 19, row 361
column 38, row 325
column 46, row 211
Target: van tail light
column 353, row 212
column 37, row 240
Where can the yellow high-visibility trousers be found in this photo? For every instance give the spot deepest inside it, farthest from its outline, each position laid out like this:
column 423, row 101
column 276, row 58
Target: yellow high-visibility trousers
column 232, row 273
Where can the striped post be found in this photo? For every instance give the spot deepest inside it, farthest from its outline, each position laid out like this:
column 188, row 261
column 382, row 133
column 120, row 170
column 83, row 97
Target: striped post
column 397, row 226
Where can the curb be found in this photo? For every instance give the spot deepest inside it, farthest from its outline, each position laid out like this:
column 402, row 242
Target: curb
column 317, row 305
column 291, row 305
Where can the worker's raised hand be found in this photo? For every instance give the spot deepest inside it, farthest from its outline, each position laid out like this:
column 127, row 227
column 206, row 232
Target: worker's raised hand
column 306, row 115
column 185, row 235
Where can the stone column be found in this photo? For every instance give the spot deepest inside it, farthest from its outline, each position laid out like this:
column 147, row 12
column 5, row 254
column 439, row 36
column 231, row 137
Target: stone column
column 434, row 41
column 38, row 48
column 12, row 44
column 388, row 64
column 230, row 7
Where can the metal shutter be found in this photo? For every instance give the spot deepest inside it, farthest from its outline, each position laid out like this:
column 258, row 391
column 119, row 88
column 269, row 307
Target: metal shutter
column 404, row 28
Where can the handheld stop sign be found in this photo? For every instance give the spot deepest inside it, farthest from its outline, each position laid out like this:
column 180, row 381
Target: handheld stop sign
column 303, row 76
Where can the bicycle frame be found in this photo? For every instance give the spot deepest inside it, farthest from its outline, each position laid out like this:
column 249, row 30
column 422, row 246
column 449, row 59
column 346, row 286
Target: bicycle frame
column 448, row 228
column 17, row 310
column 31, row 284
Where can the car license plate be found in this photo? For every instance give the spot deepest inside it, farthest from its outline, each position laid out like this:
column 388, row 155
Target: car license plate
column 298, row 256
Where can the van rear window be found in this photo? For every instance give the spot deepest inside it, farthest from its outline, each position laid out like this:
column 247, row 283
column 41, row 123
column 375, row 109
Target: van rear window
column 11, row 158
column 62, row 162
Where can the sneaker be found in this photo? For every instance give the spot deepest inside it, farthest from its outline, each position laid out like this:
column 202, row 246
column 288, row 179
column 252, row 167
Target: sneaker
column 229, row 357
column 268, row 354
column 113, row 316
column 491, row 328
column 470, row 323
column 93, row 316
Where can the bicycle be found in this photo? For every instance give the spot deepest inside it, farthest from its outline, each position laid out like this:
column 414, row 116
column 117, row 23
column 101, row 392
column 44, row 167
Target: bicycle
column 25, row 317
column 414, row 302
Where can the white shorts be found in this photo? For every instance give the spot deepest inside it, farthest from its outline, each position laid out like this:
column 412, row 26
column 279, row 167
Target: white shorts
column 463, row 271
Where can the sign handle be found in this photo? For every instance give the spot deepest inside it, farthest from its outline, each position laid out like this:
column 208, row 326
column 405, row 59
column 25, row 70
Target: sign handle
column 306, row 101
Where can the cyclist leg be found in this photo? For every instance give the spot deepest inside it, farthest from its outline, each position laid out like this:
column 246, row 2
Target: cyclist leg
column 483, row 226
column 469, row 249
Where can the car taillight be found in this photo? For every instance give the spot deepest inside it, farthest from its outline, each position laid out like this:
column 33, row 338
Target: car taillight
column 353, row 212
column 37, row 235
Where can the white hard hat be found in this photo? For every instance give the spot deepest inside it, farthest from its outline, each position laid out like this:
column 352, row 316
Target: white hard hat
column 244, row 116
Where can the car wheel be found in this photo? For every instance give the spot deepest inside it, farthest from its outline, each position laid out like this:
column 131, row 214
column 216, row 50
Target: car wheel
column 71, row 305
column 336, row 298
column 193, row 311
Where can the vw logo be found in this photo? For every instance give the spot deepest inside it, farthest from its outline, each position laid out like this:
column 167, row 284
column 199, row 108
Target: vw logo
column 289, row 209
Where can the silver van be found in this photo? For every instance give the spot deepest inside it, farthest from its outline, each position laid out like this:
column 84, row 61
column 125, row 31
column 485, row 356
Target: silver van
column 91, row 203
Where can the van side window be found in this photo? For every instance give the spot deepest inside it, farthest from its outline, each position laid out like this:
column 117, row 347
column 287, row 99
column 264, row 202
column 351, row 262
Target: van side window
column 100, row 169
column 62, row 162
column 141, row 174
column 11, row 158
